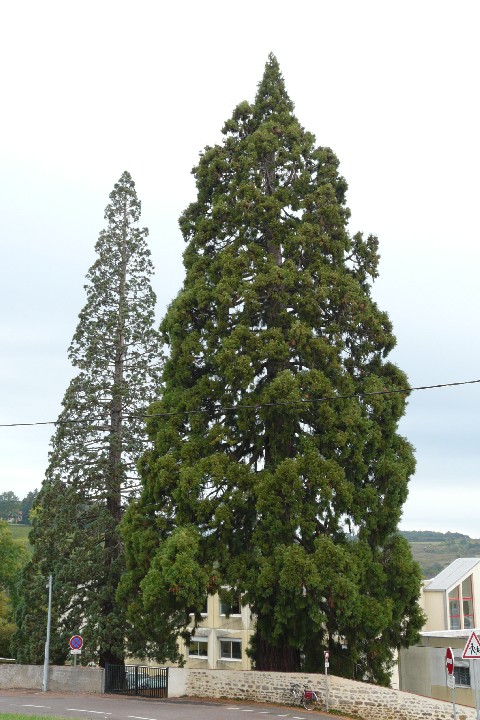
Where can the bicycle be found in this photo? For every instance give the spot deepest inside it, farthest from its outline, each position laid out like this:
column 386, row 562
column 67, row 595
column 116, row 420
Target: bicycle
column 308, row 698
column 293, row 694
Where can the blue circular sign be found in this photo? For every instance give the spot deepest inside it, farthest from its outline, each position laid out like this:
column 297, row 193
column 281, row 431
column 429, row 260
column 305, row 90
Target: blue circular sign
column 76, row 642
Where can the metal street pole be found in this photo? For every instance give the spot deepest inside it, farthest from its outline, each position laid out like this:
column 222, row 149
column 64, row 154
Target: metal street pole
column 477, row 705
column 47, row 643
column 327, row 664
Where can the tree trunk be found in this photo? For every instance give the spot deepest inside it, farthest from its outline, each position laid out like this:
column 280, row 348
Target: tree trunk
column 276, row 658
column 274, row 450
column 113, row 547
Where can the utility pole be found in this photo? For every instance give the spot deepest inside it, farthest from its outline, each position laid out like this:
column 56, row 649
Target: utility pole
column 47, row 643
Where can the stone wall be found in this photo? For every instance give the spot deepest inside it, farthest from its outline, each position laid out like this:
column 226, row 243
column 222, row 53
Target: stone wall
column 60, row 679
column 366, row 701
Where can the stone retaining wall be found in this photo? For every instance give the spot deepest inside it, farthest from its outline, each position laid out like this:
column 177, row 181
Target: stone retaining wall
column 366, row 701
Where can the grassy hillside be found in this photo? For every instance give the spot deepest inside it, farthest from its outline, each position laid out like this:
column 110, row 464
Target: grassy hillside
column 434, row 551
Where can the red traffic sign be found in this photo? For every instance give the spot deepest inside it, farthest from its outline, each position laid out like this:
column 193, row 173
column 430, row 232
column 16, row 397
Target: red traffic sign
column 327, row 654
column 471, row 651
column 76, row 642
column 449, row 661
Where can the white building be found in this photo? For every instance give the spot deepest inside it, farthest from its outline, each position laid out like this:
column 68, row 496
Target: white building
column 451, row 602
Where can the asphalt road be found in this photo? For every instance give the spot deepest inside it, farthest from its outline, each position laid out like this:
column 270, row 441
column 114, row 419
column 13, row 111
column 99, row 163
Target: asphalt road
column 80, row 706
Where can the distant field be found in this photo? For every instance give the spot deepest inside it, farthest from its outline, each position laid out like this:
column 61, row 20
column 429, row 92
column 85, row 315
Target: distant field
column 19, row 532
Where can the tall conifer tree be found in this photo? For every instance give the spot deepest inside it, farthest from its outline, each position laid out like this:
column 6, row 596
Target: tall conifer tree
column 98, row 439
column 254, row 481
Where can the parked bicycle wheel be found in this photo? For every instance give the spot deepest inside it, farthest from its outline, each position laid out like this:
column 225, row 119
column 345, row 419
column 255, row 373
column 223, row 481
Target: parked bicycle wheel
column 293, row 695
column 309, row 699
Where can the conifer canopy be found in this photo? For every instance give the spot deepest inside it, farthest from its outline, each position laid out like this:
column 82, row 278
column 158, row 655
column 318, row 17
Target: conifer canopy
column 277, row 470
column 99, row 437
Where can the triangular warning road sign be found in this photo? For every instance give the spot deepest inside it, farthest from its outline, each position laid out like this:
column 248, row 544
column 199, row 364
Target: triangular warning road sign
column 471, row 651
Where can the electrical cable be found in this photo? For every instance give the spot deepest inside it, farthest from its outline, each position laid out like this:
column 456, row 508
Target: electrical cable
column 256, row 406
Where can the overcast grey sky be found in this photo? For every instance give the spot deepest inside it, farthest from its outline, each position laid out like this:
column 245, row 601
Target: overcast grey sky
column 91, row 89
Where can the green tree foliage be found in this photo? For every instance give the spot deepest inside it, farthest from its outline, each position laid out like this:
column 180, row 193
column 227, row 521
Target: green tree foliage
column 7, row 626
column 10, row 505
column 12, row 558
column 27, row 504
column 99, row 436
column 257, row 481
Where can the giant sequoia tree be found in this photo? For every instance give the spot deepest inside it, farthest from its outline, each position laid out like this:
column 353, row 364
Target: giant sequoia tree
column 99, row 436
column 277, row 469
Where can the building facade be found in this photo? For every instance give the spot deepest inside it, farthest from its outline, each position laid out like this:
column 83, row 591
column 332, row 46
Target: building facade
column 451, row 602
column 221, row 639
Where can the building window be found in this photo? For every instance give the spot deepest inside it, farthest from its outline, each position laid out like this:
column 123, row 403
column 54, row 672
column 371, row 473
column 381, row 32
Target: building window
column 462, row 676
column 454, row 609
column 228, row 609
column 198, row 648
column 204, row 608
column 231, row 649
column 468, row 619
column 467, row 596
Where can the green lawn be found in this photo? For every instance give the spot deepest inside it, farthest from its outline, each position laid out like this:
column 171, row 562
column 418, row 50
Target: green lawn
column 19, row 532
column 15, row 716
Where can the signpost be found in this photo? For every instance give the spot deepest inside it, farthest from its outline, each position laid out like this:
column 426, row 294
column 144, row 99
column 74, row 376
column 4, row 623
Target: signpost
column 76, row 644
column 450, row 665
column 471, row 651
column 449, row 661
column 47, row 643
column 327, row 664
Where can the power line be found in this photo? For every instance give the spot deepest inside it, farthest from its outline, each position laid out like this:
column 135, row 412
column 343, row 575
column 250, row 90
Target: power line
column 257, row 406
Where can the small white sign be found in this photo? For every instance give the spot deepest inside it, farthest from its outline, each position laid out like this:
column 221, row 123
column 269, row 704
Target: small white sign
column 451, row 681
column 327, row 664
column 75, row 652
